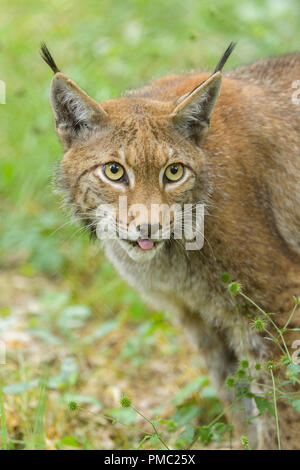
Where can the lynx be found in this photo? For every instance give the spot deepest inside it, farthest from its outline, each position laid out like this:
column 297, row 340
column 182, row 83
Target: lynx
column 231, row 143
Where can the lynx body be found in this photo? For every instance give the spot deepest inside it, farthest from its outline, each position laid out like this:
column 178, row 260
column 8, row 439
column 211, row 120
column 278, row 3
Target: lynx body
column 236, row 140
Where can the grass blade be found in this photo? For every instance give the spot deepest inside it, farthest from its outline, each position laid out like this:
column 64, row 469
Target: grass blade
column 3, row 423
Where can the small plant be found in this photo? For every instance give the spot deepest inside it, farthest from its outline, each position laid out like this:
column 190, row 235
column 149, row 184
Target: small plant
column 245, row 443
column 243, row 380
column 155, row 436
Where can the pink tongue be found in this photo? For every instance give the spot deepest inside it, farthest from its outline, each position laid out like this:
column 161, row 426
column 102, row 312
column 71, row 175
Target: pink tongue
column 145, row 244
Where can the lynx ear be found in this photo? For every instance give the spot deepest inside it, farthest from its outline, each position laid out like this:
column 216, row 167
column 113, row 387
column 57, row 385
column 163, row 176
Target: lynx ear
column 193, row 111
column 76, row 114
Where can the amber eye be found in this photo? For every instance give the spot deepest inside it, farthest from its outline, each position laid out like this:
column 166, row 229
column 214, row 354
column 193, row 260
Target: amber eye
column 114, row 171
column 174, row 172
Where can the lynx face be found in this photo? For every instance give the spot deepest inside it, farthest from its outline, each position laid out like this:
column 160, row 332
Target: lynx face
column 144, row 150
column 133, row 188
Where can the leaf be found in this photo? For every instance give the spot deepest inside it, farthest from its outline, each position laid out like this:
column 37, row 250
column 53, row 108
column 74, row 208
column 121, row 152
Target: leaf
column 205, row 434
column 188, row 434
column 293, row 369
column 68, row 374
column 46, row 257
column 45, row 336
column 263, row 405
column 186, row 412
column 19, row 387
column 153, row 440
column 69, row 441
column 54, row 300
column 219, row 428
column 4, row 312
column 123, row 415
column 103, row 330
column 208, row 392
column 190, row 388
column 74, row 316
column 296, row 404
column 79, row 398
column 68, row 366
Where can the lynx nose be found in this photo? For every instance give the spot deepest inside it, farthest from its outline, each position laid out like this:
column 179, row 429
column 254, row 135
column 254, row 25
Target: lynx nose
column 148, row 230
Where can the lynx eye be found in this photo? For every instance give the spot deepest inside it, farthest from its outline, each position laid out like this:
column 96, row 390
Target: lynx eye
column 174, row 172
column 114, row 171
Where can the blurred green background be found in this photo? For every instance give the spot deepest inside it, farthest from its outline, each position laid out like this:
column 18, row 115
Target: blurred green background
column 55, row 285
column 106, row 47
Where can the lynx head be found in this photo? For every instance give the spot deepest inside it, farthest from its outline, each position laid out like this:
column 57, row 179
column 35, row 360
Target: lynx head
column 135, row 150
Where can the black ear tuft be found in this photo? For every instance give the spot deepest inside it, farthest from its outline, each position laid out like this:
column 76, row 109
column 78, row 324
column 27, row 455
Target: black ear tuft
column 224, row 57
column 45, row 54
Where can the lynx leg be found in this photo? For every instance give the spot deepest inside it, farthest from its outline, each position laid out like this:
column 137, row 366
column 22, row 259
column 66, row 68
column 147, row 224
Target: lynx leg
column 221, row 362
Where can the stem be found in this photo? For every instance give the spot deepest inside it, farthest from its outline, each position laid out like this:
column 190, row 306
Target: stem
column 153, row 426
column 215, row 420
column 291, row 316
column 142, row 442
column 275, row 341
column 275, row 408
column 270, row 320
column 271, row 388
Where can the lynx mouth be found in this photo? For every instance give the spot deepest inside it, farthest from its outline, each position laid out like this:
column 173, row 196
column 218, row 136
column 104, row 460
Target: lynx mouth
column 144, row 244
column 143, row 249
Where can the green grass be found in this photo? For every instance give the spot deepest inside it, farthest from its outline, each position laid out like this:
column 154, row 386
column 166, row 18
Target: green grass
column 3, row 423
column 106, row 47
column 84, row 324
